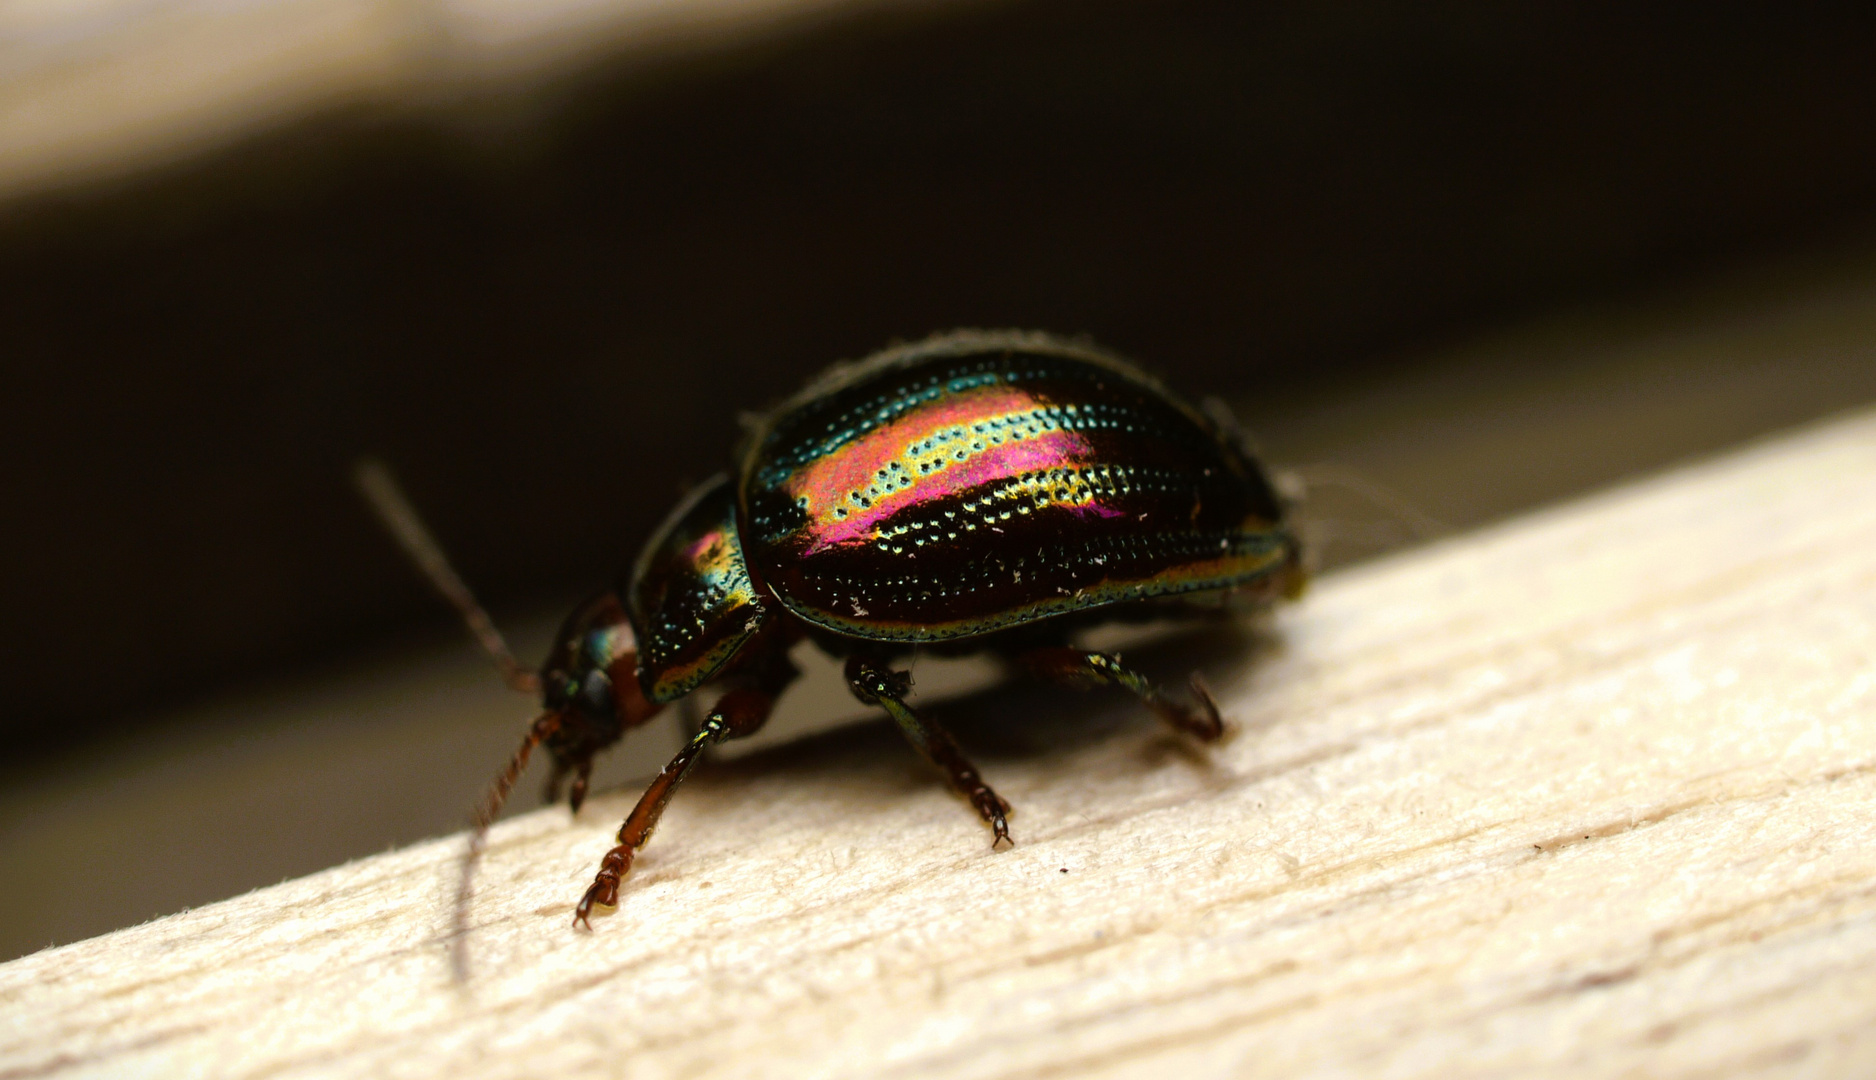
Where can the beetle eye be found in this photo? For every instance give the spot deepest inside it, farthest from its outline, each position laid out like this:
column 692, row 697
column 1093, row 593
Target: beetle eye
column 596, row 692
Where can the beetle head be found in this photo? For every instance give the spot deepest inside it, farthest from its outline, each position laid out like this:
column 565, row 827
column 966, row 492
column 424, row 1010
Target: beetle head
column 590, row 682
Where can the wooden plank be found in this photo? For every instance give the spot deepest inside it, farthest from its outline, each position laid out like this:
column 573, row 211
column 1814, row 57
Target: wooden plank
column 1591, row 792
column 98, row 89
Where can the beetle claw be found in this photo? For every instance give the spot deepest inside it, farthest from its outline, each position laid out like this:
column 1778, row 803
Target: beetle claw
column 604, row 891
column 598, row 894
column 1210, row 726
column 995, row 811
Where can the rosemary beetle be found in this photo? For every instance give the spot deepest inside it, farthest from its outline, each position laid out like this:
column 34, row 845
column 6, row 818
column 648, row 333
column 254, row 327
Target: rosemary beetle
column 974, row 491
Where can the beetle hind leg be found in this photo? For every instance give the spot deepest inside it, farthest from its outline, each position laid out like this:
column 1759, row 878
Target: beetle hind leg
column 1078, row 667
column 876, row 685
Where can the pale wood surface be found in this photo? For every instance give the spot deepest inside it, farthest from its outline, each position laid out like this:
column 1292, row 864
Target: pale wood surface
column 96, row 89
column 1589, row 793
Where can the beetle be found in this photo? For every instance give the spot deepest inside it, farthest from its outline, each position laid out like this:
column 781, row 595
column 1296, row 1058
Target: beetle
column 978, row 490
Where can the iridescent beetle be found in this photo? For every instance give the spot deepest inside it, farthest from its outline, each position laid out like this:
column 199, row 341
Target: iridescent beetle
column 977, row 490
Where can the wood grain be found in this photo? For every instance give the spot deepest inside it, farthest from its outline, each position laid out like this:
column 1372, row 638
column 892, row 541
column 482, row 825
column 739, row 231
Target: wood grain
column 1589, row 793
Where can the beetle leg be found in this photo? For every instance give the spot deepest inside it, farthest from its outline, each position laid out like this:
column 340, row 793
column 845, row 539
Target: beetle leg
column 739, row 712
column 582, row 772
column 877, row 686
column 1078, row 667
column 550, row 788
column 582, row 775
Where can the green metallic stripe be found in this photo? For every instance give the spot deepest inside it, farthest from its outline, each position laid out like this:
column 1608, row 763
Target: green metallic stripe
column 709, row 605
column 674, row 681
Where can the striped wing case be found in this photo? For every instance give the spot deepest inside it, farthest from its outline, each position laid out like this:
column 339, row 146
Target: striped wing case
column 980, row 481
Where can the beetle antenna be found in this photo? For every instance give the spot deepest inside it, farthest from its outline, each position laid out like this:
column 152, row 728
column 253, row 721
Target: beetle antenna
column 387, row 499
column 1423, row 525
column 486, row 810
column 543, row 726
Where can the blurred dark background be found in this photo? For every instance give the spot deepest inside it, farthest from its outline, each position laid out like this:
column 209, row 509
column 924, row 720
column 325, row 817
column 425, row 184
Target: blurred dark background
column 547, row 300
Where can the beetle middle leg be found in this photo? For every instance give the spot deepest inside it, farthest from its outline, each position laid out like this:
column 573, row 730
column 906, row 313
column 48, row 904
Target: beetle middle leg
column 874, row 684
column 739, row 712
column 1079, row 667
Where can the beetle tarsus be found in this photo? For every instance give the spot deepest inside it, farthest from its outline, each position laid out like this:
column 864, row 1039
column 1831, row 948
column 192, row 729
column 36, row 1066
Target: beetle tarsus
column 995, row 811
column 604, row 891
column 1207, row 725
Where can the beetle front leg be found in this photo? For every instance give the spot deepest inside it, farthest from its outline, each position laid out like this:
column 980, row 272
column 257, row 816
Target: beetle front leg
column 738, row 713
column 875, row 685
column 582, row 773
column 1080, row 668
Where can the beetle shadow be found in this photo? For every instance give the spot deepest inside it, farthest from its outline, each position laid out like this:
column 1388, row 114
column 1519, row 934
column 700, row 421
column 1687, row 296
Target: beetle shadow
column 1023, row 719
column 1026, row 719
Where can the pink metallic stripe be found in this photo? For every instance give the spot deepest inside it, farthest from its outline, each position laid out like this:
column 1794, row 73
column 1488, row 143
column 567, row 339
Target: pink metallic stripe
column 848, row 493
